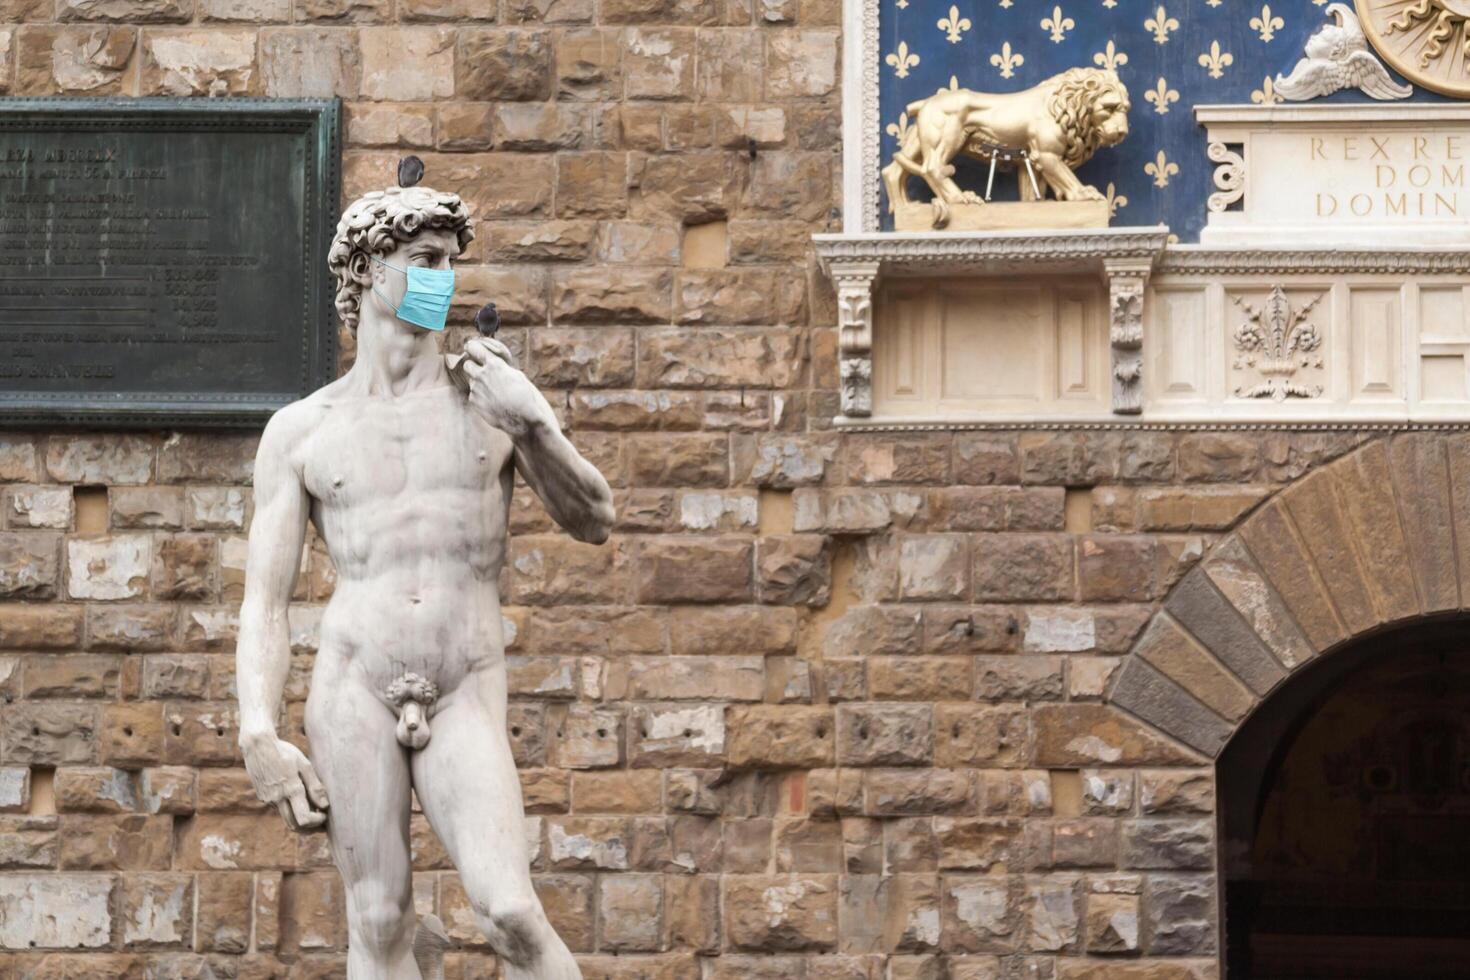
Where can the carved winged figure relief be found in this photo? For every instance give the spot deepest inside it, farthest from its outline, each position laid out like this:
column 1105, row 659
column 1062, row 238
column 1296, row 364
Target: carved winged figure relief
column 1337, row 58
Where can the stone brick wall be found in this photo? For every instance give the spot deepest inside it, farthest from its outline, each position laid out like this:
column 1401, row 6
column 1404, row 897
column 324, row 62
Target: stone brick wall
column 827, row 706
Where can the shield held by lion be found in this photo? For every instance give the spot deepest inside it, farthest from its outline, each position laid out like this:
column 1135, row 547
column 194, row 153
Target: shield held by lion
column 1044, row 132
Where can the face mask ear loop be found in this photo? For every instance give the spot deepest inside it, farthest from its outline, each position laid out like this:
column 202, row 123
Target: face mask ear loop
column 374, row 288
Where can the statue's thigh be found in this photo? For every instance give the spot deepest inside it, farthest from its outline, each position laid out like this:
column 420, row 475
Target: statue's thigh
column 467, row 784
column 359, row 760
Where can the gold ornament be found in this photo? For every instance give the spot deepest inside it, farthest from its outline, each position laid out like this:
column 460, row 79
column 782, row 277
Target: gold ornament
column 1426, row 41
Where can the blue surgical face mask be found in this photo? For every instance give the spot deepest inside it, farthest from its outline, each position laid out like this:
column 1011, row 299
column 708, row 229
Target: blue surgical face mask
column 426, row 299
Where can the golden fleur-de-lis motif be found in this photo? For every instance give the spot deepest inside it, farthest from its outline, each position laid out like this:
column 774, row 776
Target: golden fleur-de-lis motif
column 954, row 26
column 902, row 60
column 1112, row 59
column 1161, row 168
column 1267, row 24
column 1007, row 60
column 1110, row 4
column 1267, row 94
column 1215, row 60
column 1059, row 24
column 1115, row 200
column 1162, row 25
column 899, row 130
column 1005, row 3
column 901, row 4
column 1161, row 96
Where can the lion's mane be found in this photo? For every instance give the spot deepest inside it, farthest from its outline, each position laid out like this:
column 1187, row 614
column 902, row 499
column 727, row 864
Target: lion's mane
column 1074, row 106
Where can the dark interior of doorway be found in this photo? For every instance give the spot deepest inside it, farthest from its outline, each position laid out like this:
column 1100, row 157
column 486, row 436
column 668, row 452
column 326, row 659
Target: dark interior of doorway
column 1344, row 806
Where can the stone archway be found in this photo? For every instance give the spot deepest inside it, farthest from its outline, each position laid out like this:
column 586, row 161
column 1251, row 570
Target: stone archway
column 1378, row 537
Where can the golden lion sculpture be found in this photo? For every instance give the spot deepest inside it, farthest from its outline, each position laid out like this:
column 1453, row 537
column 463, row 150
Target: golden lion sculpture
column 1055, row 127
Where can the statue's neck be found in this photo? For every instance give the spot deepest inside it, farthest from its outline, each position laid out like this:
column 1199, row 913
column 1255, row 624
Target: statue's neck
column 393, row 357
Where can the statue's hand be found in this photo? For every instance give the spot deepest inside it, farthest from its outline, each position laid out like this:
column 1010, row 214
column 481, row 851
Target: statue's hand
column 498, row 390
column 283, row 775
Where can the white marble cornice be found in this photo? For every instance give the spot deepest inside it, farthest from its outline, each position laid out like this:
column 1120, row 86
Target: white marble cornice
column 1201, row 260
column 996, row 253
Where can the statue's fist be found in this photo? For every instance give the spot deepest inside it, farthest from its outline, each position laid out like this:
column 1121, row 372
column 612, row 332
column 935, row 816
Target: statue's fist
column 498, row 390
column 283, row 775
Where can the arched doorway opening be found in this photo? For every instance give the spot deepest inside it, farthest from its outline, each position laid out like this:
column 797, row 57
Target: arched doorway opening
column 1344, row 807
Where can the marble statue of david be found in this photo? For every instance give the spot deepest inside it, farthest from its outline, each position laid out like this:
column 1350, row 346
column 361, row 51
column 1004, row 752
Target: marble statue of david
column 405, row 465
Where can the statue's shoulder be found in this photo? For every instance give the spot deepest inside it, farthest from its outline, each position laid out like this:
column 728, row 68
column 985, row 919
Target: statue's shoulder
column 292, row 426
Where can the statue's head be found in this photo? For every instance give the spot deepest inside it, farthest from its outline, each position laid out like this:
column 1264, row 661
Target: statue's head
column 1110, row 109
column 397, row 228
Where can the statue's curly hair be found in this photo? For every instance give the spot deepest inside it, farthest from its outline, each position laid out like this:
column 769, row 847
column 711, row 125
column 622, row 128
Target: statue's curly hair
column 1074, row 106
column 376, row 223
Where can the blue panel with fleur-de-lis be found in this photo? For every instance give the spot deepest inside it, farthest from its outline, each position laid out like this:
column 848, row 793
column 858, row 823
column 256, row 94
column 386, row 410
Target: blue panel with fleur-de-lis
column 1172, row 55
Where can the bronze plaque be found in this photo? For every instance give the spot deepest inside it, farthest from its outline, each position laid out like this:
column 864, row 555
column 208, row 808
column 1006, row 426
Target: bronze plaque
column 164, row 261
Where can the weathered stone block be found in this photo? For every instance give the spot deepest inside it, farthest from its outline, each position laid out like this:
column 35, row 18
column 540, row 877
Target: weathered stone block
column 73, row 60
column 917, row 792
column 1019, row 678
column 621, row 295
column 980, row 737
column 1180, row 658
column 590, row 738
column 228, row 842
column 678, row 735
column 588, row 843
column 1147, row 693
column 979, row 914
column 56, row 911
column 786, row 912
column 1024, row 567
column 49, row 734
column 1420, row 467
column 885, row 735
column 191, row 63
column 1180, row 917
column 28, row 842
column 1072, row 736
column 225, row 905
column 29, row 566
column 921, row 679
column 1273, row 543
column 1112, row 924
column 1168, row 844
column 632, row 912
column 40, row 627
column 503, row 65
column 49, row 507
column 310, row 63
column 658, row 63
column 781, row 736
column 407, row 63
column 690, row 569
column 128, row 842
column 1328, row 537
column 112, row 567
column 157, row 910
column 589, row 64
column 1173, row 791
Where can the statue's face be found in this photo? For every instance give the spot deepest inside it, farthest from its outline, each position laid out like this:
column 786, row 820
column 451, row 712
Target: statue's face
column 1110, row 113
column 433, row 249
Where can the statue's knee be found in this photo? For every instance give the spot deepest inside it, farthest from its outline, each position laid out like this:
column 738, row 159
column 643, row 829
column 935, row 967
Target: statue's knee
column 515, row 928
column 380, row 923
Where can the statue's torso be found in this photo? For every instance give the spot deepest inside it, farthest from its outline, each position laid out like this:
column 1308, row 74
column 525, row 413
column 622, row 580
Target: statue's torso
column 410, row 497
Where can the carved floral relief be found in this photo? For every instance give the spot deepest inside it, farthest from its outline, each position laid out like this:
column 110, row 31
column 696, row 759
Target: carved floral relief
column 1277, row 348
